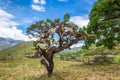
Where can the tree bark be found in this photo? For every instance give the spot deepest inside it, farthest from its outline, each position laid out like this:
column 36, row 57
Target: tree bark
column 49, row 66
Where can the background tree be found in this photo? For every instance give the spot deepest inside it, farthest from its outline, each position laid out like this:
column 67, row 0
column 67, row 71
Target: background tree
column 54, row 36
column 105, row 23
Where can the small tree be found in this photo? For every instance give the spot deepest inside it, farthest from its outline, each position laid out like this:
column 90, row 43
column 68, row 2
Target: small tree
column 53, row 37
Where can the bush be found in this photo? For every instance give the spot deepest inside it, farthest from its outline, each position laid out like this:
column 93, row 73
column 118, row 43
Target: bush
column 68, row 56
column 7, row 56
column 103, row 59
column 117, row 59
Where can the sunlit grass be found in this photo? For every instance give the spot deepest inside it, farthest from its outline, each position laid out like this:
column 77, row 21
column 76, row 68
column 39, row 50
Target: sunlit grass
column 31, row 69
column 20, row 69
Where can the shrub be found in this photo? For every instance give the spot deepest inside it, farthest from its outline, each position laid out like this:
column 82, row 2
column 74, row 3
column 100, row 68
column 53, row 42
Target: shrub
column 68, row 56
column 117, row 59
column 103, row 58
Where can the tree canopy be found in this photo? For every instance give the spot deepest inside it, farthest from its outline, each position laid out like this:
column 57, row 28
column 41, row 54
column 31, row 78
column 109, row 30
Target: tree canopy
column 54, row 36
column 105, row 23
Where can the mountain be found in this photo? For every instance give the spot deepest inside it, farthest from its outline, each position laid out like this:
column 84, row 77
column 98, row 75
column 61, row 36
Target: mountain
column 24, row 49
column 7, row 42
column 19, row 50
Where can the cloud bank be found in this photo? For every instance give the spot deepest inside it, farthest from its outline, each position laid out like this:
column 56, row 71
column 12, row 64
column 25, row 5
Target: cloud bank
column 80, row 20
column 8, row 27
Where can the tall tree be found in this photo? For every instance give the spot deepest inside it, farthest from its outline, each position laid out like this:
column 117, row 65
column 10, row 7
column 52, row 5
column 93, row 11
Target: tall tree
column 54, row 36
column 105, row 23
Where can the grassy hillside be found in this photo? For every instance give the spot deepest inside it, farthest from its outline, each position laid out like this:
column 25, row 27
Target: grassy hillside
column 25, row 48
column 19, row 50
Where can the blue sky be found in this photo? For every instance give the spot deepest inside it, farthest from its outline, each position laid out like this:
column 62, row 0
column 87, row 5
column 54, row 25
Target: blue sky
column 17, row 15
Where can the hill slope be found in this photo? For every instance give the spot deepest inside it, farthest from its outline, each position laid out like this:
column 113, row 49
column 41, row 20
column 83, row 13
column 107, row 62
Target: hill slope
column 19, row 50
column 7, row 42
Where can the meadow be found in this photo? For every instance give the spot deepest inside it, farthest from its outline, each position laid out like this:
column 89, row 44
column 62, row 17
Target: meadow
column 31, row 69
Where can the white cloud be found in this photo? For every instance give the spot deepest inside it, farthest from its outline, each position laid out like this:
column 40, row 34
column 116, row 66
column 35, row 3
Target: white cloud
column 5, row 19
column 63, row 0
column 36, row 1
column 13, row 33
column 80, row 20
column 38, row 8
column 77, row 45
column 5, row 14
column 8, row 27
column 38, row 5
column 42, row 2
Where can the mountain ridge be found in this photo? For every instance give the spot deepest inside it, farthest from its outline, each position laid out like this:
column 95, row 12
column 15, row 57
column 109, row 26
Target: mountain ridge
column 8, row 42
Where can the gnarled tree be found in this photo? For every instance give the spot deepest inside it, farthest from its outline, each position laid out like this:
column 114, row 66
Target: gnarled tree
column 54, row 36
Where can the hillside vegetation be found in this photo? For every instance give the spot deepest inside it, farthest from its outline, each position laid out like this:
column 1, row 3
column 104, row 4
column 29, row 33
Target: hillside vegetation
column 26, row 48
column 17, row 51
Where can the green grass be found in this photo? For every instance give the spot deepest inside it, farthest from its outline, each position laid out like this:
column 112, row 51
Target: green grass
column 31, row 69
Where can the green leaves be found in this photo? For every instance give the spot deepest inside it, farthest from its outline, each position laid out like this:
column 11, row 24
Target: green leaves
column 49, row 20
column 48, row 42
column 57, row 20
column 75, row 28
column 105, row 22
column 66, row 17
column 43, row 24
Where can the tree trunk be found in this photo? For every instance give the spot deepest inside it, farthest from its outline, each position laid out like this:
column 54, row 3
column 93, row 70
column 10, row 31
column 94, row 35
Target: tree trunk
column 49, row 66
